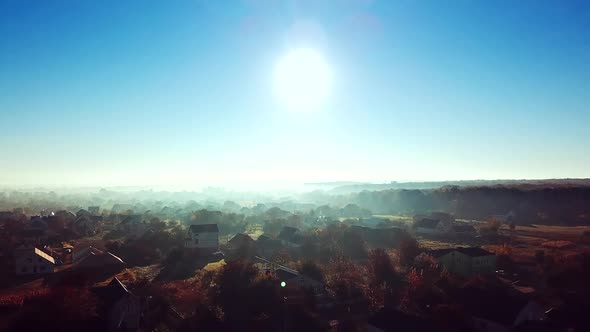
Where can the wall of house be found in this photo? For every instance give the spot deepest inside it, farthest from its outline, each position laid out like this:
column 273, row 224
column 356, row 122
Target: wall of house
column 424, row 230
column 484, row 264
column 456, row 262
column 127, row 312
column 209, row 240
column 32, row 264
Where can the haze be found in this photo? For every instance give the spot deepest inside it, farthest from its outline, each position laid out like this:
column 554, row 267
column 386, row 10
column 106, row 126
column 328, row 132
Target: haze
column 138, row 93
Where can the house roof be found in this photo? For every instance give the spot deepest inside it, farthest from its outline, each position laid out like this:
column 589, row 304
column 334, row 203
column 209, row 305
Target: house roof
column 204, row 228
column 287, row 233
column 436, row 253
column 240, row 239
column 470, row 251
column 134, row 218
column 475, row 252
column 96, row 260
column 426, row 223
column 284, row 273
column 464, row 229
column 82, row 212
column 111, row 292
column 491, row 304
column 45, row 256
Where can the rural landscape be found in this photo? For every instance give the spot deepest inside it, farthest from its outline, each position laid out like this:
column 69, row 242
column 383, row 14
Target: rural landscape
column 513, row 257
column 294, row 165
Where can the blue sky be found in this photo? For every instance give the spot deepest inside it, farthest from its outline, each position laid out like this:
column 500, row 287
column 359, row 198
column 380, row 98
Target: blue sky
column 181, row 92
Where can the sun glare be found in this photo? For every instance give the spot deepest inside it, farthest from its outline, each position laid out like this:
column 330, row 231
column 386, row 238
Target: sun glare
column 303, row 80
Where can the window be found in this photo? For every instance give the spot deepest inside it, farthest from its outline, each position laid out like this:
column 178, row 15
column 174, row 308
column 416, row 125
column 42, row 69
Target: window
column 42, row 268
column 196, row 241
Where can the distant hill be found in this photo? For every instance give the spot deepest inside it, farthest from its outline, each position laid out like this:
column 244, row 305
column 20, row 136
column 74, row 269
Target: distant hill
column 345, row 188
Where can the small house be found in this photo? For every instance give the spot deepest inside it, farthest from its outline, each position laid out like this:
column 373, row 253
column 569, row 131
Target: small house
column 240, row 241
column 203, row 237
column 466, row 261
column 31, row 260
column 124, row 310
column 133, row 224
column 267, row 246
column 100, row 262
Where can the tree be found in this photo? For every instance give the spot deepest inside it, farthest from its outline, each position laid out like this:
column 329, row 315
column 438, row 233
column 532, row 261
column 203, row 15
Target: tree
column 408, row 250
column 157, row 225
column 385, row 281
column 312, row 270
column 232, row 288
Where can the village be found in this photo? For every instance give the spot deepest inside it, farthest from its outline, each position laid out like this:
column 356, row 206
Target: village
column 347, row 273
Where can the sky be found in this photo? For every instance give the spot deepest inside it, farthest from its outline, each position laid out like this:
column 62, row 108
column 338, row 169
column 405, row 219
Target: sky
column 105, row 93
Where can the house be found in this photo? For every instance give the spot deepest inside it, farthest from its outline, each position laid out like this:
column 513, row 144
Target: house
column 32, row 236
column 290, row 237
column 82, row 212
column 267, row 246
column 428, row 226
column 38, row 222
column 124, row 311
column 438, row 223
column 94, row 210
column 133, row 224
column 96, row 260
column 241, row 241
column 87, row 225
column 464, row 230
column 296, row 280
column 122, row 208
column 80, row 254
column 466, row 261
column 498, row 310
column 203, row 237
column 31, row 260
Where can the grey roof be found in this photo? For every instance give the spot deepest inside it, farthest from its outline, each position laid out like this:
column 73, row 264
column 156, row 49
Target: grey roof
column 426, row 223
column 285, row 274
column 464, row 229
column 205, row 228
column 132, row 219
column 111, row 292
column 470, row 251
column 240, row 239
column 475, row 252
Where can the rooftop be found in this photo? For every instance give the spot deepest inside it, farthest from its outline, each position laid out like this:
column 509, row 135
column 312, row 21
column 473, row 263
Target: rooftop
column 204, row 228
column 426, row 223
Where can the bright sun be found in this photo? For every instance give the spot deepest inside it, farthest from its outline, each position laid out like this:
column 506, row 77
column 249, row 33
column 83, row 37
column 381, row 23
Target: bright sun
column 303, row 80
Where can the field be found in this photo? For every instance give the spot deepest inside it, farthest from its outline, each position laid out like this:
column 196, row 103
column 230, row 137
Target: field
column 524, row 241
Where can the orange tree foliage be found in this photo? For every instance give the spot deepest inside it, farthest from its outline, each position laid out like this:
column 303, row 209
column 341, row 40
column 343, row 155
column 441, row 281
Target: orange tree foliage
column 184, row 295
column 408, row 250
column 384, row 281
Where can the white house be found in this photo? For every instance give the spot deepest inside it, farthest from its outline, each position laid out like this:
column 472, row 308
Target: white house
column 203, row 237
column 30, row 260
